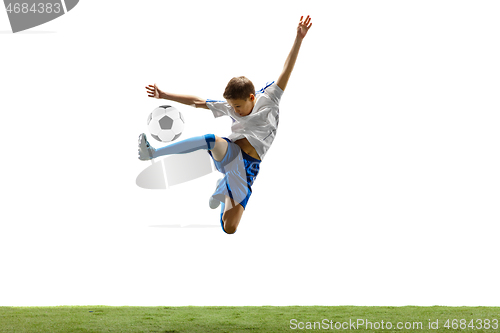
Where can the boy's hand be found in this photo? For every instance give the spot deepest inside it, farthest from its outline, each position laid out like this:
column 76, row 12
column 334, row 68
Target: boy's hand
column 302, row 30
column 153, row 91
column 304, row 26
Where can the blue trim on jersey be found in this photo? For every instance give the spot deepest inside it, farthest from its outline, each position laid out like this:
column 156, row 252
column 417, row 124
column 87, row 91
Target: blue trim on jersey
column 267, row 86
column 213, row 101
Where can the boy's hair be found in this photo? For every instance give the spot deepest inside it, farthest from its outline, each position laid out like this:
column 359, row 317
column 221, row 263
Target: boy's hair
column 239, row 88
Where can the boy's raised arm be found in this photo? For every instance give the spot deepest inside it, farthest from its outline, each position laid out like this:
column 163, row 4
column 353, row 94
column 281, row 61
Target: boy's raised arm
column 190, row 100
column 302, row 30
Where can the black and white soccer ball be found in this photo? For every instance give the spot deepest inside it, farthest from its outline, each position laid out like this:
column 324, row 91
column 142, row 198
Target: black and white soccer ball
column 165, row 123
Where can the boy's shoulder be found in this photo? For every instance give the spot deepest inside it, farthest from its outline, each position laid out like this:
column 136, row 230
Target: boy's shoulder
column 271, row 92
column 268, row 84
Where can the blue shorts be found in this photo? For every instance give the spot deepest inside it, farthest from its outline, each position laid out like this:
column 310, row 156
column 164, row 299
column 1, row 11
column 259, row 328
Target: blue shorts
column 240, row 171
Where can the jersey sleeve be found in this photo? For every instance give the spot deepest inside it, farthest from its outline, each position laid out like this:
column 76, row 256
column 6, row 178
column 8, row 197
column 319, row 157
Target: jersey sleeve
column 219, row 108
column 274, row 92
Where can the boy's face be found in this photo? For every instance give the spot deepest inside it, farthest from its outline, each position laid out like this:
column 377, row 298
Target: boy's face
column 243, row 107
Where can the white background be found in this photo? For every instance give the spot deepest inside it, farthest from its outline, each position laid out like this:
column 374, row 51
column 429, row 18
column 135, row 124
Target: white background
column 381, row 188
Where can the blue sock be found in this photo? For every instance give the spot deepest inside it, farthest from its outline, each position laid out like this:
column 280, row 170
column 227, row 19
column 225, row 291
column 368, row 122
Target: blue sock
column 187, row 146
column 222, row 207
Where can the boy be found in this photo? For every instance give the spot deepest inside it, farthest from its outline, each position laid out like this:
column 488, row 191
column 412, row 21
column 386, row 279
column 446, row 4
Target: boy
column 255, row 121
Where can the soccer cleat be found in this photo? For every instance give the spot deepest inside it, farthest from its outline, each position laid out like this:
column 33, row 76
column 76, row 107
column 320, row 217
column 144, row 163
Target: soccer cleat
column 145, row 150
column 212, row 202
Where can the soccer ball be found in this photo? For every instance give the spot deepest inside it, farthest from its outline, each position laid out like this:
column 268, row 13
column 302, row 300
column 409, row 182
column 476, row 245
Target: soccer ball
column 165, row 123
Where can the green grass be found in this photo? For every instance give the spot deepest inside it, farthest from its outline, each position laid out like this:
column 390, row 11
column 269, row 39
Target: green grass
column 241, row 319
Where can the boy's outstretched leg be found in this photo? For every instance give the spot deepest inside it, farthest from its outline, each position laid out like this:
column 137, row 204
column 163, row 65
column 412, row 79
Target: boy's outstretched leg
column 216, row 145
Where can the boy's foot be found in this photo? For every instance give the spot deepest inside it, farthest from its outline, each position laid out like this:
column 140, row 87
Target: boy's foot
column 212, row 202
column 145, row 150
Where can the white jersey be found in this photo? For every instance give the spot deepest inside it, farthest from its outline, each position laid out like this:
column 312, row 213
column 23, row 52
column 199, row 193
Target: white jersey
column 260, row 126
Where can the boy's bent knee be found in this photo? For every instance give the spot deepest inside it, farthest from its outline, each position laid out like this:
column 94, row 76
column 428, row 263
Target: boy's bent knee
column 231, row 218
column 230, row 225
column 229, row 230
